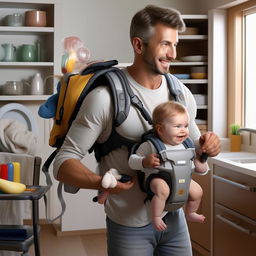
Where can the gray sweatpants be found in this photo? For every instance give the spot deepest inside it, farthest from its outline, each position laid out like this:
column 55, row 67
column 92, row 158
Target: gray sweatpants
column 146, row 241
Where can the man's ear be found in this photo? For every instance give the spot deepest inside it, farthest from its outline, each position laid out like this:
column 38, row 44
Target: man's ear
column 137, row 45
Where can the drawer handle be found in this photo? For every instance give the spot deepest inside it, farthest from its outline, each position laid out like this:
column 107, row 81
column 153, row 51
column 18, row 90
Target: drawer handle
column 252, row 189
column 233, row 224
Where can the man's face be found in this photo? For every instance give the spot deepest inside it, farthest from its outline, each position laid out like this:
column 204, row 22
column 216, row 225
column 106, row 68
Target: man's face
column 161, row 49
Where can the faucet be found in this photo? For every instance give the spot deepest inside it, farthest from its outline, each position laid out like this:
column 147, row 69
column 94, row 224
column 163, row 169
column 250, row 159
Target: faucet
column 247, row 130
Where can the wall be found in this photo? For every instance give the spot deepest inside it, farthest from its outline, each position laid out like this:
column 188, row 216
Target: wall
column 104, row 25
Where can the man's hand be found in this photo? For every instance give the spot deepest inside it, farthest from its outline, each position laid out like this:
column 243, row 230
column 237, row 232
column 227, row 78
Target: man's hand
column 120, row 187
column 210, row 144
column 151, row 161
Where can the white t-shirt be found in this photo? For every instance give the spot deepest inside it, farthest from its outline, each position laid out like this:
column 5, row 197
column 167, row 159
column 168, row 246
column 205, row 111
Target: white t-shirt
column 94, row 122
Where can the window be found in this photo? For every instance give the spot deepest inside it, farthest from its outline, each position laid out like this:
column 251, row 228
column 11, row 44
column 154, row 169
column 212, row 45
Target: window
column 241, row 64
column 249, row 68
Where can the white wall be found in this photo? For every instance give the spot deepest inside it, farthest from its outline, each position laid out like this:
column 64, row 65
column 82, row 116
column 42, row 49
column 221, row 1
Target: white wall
column 104, row 24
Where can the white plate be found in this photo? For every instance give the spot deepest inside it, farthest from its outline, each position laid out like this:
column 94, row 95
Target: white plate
column 194, row 58
column 21, row 113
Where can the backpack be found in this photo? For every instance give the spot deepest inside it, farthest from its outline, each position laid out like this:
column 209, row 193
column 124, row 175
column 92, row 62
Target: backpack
column 175, row 170
column 74, row 88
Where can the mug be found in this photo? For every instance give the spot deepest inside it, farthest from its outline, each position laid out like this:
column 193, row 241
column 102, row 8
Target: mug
column 14, row 20
column 10, row 50
column 27, row 53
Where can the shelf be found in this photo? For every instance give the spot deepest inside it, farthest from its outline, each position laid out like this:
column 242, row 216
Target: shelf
column 26, row 64
column 193, row 37
column 194, row 81
column 188, row 63
column 194, row 17
column 25, row 30
column 24, row 97
column 202, row 106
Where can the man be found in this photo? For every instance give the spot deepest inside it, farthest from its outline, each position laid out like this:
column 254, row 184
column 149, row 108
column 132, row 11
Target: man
column 154, row 37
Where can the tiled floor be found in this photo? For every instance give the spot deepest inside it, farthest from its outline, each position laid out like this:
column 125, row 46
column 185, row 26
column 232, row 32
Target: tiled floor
column 73, row 245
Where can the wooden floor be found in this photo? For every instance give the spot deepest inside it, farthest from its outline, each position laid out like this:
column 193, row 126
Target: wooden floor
column 73, row 245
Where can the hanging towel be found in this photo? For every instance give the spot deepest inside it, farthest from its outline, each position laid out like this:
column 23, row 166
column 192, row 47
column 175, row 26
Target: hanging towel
column 16, row 138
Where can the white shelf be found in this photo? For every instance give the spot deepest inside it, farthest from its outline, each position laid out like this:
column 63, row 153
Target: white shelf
column 18, row 98
column 25, row 30
column 194, row 81
column 202, row 106
column 188, row 63
column 26, row 64
column 193, row 37
column 194, row 16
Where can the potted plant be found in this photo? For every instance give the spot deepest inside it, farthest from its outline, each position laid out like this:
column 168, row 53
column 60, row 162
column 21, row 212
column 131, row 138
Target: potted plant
column 235, row 138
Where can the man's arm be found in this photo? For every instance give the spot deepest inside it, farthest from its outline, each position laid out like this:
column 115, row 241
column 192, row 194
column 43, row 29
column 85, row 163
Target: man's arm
column 82, row 177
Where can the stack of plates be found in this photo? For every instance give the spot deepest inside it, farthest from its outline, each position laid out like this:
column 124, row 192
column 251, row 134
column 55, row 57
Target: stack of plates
column 194, row 58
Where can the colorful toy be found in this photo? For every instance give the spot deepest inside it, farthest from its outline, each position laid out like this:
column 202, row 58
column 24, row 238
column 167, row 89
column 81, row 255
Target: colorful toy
column 74, row 59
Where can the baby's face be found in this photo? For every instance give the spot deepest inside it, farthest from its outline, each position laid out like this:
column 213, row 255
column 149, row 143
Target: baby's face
column 175, row 130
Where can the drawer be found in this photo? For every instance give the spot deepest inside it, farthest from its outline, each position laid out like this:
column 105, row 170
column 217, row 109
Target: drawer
column 234, row 234
column 235, row 191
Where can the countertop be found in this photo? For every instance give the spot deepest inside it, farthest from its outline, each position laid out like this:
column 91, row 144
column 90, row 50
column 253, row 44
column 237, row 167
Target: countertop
column 229, row 159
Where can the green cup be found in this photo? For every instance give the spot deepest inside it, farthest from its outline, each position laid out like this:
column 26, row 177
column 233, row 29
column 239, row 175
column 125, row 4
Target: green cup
column 27, row 53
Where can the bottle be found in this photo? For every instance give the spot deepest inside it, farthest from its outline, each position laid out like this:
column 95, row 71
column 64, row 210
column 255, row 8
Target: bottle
column 16, row 171
column 37, row 85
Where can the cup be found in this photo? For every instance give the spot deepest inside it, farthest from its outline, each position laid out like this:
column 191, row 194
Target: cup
column 10, row 51
column 27, row 53
column 35, row 18
column 14, row 20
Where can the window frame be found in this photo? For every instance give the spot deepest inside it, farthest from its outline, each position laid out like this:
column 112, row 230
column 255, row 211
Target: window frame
column 236, row 62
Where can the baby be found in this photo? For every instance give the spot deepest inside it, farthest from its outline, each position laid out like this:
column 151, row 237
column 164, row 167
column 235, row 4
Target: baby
column 170, row 123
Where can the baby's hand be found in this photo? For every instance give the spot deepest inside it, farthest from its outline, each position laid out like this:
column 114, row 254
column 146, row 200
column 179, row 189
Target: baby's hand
column 151, row 161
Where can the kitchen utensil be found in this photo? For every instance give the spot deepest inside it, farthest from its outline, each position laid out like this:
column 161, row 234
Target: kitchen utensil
column 14, row 20
column 12, row 88
column 27, row 53
column 36, row 87
column 10, row 51
column 35, row 18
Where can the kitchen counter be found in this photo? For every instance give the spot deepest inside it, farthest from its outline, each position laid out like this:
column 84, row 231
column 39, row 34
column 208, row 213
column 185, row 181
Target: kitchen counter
column 242, row 162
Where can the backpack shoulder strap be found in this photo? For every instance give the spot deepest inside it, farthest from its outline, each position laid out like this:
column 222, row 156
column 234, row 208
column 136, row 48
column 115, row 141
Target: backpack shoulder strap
column 175, row 88
column 188, row 143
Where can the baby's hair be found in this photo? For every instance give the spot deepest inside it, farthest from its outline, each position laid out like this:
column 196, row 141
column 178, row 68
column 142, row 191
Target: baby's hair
column 166, row 110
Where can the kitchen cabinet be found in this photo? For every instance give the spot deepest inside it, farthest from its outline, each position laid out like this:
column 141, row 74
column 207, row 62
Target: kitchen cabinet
column 192, row 52
column 48, row 65
column 200, row 233
column 234, row 229
column 44, row 37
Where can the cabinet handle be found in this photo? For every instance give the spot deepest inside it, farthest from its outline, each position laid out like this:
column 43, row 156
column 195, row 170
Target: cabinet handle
column 233, row 224
column 242, row 186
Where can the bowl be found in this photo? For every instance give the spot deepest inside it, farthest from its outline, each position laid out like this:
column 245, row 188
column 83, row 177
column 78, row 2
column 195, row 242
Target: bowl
column 198, row 75
column 182, row 76
column 35, row 18
column 194, row 58
column 190, row 31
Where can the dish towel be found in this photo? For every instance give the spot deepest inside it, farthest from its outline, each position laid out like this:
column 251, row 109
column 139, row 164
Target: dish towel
column 15, row 138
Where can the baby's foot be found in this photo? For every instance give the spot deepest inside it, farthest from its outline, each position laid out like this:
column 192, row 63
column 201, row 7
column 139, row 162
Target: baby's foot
column 195, row 217
column 159, row 224
column 102, row 197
